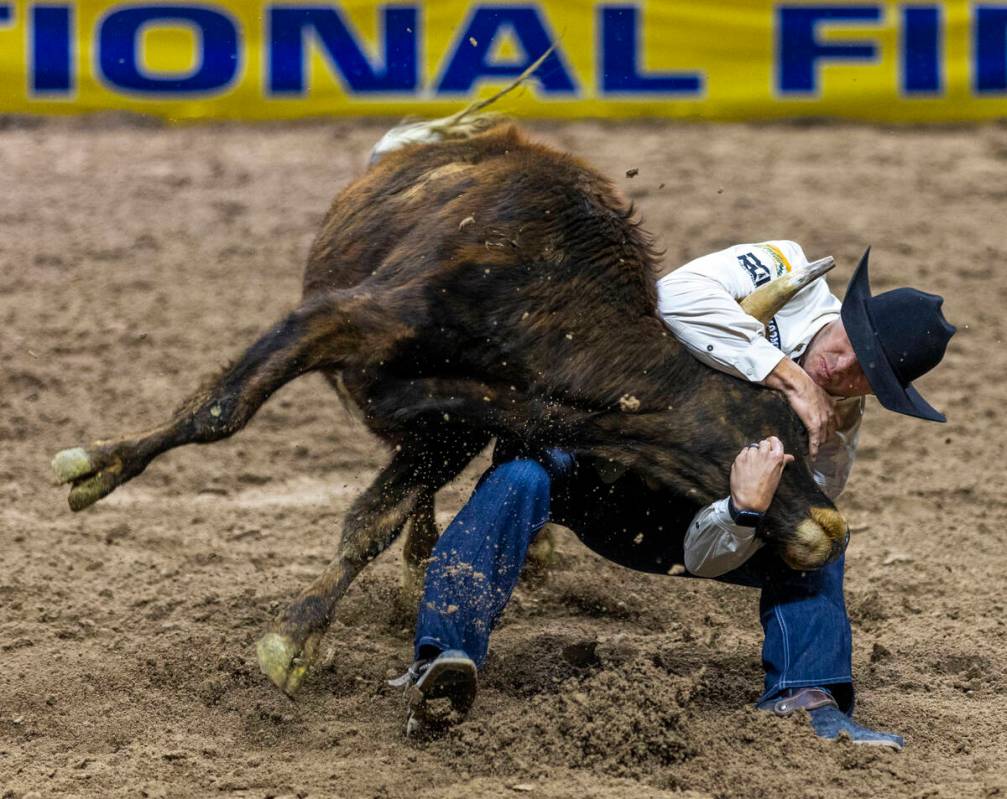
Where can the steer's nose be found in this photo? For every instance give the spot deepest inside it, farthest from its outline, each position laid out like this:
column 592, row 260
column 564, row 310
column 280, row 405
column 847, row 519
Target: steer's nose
column 839, row 547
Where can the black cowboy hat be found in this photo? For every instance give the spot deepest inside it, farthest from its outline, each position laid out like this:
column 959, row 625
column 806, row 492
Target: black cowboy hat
column 897, row 336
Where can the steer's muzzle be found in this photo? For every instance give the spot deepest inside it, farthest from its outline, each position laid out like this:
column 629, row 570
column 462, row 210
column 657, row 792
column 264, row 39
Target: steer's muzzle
column 816, row 541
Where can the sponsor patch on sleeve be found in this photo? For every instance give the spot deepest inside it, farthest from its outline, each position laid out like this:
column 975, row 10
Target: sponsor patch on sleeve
column 757, row 270
column 779, row 259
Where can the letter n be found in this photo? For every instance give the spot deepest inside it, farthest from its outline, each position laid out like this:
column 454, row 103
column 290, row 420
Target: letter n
column 289, row 30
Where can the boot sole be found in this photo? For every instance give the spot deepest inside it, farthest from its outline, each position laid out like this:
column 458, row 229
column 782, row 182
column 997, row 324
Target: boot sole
column 449, row 677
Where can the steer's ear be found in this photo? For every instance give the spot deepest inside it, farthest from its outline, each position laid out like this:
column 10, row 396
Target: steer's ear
column 767, row 301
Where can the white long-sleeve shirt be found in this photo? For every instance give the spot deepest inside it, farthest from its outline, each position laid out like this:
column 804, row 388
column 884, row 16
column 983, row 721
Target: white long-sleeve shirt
column 699, row 302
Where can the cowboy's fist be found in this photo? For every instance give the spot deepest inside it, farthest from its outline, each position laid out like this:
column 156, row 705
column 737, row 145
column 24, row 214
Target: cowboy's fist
column 756, row 474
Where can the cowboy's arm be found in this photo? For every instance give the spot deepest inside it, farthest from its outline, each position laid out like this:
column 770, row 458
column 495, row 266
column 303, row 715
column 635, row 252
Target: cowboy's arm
column 699, row 303
column 809, row 401
column 714, row 545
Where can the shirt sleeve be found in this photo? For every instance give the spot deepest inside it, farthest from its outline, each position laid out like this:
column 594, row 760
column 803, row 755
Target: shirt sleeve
column 715, row 545
column 699, row 302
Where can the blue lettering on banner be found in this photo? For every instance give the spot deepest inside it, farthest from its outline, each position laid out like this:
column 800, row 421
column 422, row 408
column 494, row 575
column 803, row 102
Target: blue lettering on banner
column 921, row 50
column 621, row 56
column 51, row 47
column 758, row 271
column 120, row 62
column 470, row 57
column 991, row 49
column 798, row 48
column 290, row 26
column 294, row 35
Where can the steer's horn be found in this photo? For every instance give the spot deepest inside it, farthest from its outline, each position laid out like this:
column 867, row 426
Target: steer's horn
column 456, row 120
column 766, row 301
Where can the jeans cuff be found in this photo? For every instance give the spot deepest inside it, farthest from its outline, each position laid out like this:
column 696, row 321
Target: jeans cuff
column 845, row 697
column 429, row 642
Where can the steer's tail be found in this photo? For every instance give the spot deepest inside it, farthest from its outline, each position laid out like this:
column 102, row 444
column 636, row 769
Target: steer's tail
column 332, row 330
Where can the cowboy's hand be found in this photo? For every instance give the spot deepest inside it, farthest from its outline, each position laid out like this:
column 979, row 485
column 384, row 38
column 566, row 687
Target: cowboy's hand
column 756, row 474
column 815, row 408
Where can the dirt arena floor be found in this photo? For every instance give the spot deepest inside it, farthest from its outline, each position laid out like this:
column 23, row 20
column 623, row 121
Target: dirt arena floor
column 136, row 259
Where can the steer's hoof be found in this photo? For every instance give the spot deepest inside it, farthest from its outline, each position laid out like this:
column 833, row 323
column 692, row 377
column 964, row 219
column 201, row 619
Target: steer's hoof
column 91, row 479
column 69, row 464
column 284, row 662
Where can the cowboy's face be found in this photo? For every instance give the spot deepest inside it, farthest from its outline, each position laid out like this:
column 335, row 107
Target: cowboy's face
column 832, row 363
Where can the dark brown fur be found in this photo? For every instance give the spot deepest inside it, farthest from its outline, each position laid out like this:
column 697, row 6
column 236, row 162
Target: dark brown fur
column 490, row 287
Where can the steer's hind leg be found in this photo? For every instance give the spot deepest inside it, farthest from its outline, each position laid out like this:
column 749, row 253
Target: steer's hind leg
column 418, row 469
column 334, row 330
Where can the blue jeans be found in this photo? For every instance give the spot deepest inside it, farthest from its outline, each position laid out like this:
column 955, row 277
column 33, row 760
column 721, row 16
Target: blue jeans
column 478, row 560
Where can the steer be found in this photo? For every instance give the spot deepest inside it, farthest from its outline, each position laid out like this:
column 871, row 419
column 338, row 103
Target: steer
column 474, row 287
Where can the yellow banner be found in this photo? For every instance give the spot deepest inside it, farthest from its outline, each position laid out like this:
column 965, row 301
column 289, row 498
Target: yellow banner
column 897, row 60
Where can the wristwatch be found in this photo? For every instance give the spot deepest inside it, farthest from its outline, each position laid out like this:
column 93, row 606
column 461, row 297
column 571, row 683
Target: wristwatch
column 743, row 518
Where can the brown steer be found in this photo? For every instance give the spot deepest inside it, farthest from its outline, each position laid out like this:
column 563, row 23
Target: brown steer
column 477, row 287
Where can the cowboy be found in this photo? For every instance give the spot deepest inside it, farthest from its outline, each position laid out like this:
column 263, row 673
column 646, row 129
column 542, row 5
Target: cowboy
column 824, row 356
